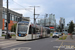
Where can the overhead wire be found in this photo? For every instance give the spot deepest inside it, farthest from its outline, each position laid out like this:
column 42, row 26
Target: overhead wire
column 25, row 9
column 21, row 6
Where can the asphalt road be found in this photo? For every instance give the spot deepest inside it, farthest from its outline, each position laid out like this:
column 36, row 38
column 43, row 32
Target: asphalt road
column 43, row 44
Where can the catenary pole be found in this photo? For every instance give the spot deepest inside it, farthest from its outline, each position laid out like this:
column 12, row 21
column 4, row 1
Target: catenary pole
column 34, row 20
column 7, row 21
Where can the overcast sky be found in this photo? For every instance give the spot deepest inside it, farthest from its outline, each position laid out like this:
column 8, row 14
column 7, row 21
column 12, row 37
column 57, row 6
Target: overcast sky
column 61, row 8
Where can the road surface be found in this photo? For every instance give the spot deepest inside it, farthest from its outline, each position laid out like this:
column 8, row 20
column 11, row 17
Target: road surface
column 41, row 44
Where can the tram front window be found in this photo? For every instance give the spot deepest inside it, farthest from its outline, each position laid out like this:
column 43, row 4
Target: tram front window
column 22, row 29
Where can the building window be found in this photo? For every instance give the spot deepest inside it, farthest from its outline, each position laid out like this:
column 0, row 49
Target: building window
column 12, row 17
column 5, row 20
column 4, row 24
column 15, row 18
column 5, row 16
column 18, row 19
column 5, row 28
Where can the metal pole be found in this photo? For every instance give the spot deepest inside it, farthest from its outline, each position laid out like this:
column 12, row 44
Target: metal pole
column 49, row 21
column 55, row 24
column 7, row 21
column 44, row 21
column 34, row 19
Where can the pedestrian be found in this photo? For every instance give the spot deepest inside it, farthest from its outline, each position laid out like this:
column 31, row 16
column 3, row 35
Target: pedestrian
column 9, row 35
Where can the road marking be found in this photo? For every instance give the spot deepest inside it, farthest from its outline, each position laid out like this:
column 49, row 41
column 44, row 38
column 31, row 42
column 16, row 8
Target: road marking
column 13, row 45
column 60, row 46
column 3, row 42
column 16, row 44
column 20, row 48
column 9, row 43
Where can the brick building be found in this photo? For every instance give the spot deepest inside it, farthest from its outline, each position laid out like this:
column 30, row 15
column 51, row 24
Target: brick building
column 14, row 18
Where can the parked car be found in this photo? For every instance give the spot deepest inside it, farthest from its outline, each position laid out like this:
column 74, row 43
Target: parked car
column 12, row 33
column 55, row 34
column 3, row 32
column 59, row 33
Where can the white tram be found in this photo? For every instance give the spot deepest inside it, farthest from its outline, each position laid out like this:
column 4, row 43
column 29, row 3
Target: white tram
column 25, row 31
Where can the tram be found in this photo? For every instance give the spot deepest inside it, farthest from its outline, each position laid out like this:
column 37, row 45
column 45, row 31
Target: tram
column 27, row 31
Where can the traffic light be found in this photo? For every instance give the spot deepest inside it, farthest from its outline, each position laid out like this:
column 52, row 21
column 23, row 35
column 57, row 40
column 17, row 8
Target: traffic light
column 8, row 18
column 6, row 25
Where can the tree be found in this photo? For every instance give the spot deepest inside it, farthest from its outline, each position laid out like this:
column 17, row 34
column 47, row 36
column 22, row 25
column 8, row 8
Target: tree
column 13, row 28
column 71, row 28
column 57, row 30
column 60, row 29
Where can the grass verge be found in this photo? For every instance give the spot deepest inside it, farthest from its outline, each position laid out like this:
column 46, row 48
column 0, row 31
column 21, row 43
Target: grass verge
column 51, row 34
column 11, row 35
column 63, row 37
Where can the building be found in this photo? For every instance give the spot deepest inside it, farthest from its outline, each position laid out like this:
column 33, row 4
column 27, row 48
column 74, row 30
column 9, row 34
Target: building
column 48, row 22
column 57, row 26
column 14, row 18
column 25, row 18
column 62, row 22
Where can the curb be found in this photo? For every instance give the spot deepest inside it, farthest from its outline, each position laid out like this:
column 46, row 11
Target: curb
column 65, row 40
column 2, row 37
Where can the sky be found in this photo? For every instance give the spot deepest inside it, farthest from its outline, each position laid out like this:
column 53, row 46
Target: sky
column 61, row 8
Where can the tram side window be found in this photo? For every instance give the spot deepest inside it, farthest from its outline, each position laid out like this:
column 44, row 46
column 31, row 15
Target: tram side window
column 43, row 30
column 30, row 30
column 48, row 31
column 39, row 30
column 33, row 30
column 36, row 30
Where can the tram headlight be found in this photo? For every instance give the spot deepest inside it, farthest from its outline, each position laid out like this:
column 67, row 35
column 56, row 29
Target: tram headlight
column 26, row 34
column 17, row 34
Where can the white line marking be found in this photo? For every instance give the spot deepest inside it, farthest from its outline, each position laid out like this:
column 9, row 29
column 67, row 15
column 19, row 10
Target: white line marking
column 20, row 48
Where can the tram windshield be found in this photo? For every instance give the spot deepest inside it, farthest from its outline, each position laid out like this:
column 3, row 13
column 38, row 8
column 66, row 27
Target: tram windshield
column 22, row 28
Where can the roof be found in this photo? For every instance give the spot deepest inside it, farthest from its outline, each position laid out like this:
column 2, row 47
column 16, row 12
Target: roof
column 23, row 22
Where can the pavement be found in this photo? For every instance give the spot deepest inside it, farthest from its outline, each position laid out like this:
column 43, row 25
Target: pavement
column 68, row 39
column 3, row 38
